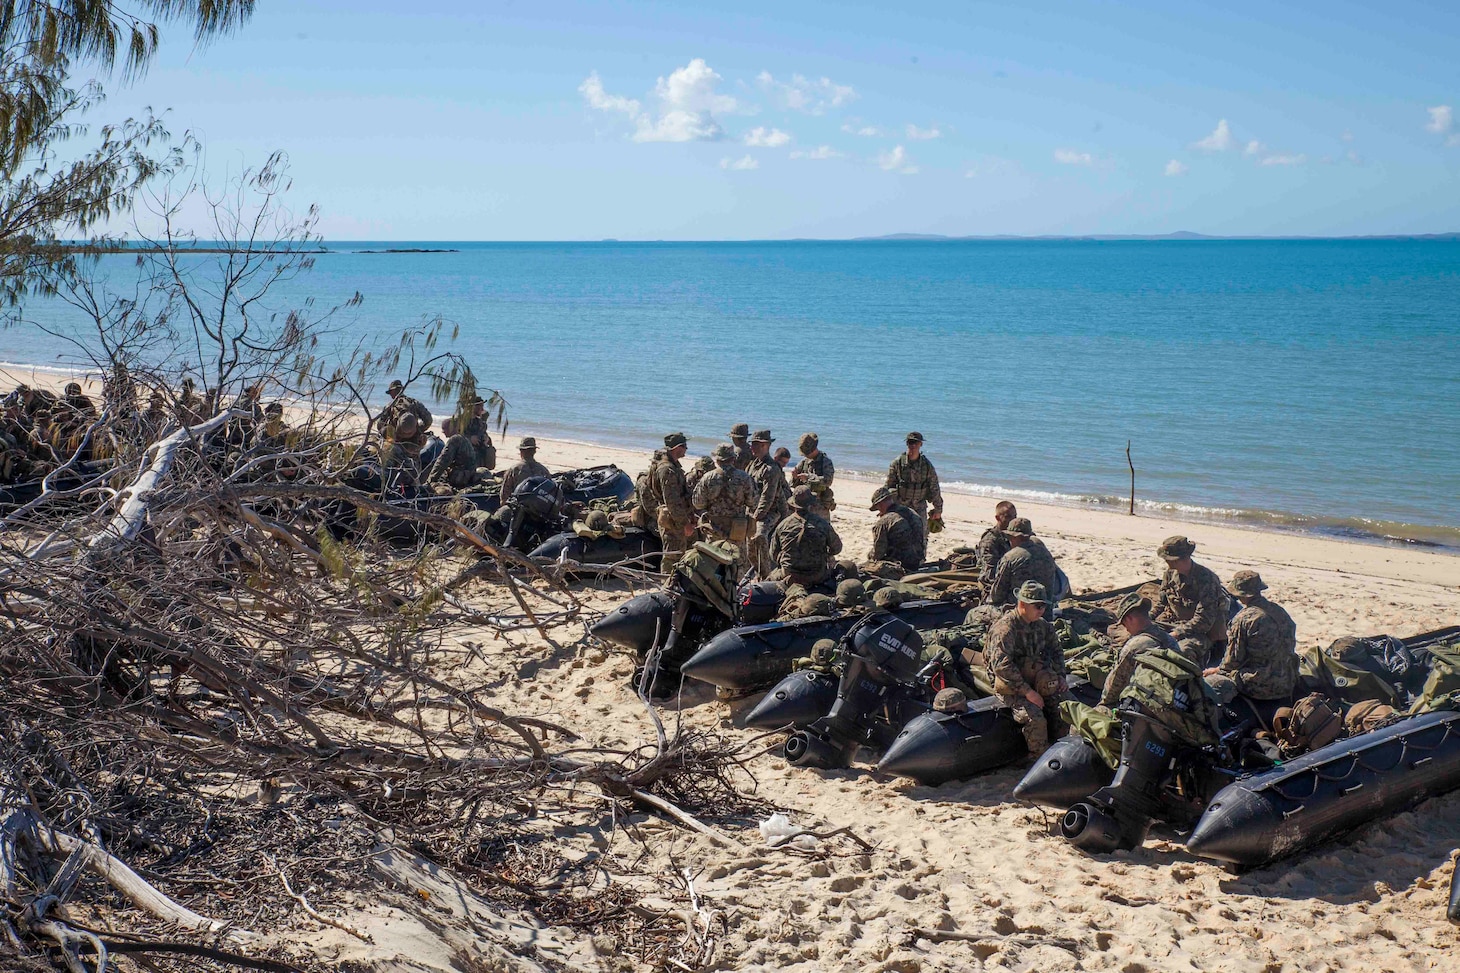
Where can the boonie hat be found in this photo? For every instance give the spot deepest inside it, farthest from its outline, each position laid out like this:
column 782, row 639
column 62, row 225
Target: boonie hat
column 1032, row 593
column 949, row 700
column 395, row 386
column 740, row 429
column 527, row 442
column 914, row 437
column 802, row 498
column 675, row 439
column 762, row 436
column 1175, row 547
column 808, row 443
column 723, row 453
column 1019, row 527
column 880, row 494
column 1132, row 602
column 1246, row 583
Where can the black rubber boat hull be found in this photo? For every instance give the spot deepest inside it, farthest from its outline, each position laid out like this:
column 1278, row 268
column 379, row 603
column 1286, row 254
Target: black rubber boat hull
column 1289, row 809
column 1064, row 775
column 753, row 656
column 634, row 623
column 937, row 747
column 595, row 483
column 568, row 546
column 799, row 700
column 1330, row 791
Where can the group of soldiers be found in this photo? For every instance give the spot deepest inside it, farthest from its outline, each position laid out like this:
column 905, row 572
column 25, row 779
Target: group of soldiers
column 1256, row 650
column 741, row 493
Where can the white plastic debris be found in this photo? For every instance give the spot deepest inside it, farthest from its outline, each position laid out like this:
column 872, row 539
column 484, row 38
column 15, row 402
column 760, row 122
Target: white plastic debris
column 777, row 830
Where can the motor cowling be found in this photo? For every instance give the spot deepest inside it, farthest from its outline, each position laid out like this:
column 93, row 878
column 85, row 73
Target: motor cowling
column 538, row 496
column 891, row 647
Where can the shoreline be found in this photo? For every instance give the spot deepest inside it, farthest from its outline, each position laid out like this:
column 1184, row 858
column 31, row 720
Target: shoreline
column 1440, row 541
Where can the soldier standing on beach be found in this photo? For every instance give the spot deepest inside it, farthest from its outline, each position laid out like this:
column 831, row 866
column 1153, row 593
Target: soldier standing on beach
column 816, row 471
column 916, row 483
column 676, row 508
column 740, row 439
column 1191, row 603
column 1261, row 661
column 772, row 493
column 724, row 496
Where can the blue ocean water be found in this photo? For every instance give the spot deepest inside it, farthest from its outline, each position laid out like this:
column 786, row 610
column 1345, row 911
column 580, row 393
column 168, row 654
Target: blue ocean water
column 1313, row 384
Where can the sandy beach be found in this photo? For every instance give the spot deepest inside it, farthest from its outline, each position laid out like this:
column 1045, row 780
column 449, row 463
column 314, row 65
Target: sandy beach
column 964, row 878
column 961, row 877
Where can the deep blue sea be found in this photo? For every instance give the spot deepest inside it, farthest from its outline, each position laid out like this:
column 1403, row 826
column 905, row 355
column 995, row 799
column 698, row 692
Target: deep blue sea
column 1309, row 384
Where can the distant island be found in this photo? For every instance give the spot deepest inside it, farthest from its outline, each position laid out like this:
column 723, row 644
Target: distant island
column 1178, row 235
column 413, row 250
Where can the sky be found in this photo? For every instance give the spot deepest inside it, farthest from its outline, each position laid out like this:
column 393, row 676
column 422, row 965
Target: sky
column 749, row 120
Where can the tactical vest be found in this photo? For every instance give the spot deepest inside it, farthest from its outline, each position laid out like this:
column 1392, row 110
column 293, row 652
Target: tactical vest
column 1171, row 689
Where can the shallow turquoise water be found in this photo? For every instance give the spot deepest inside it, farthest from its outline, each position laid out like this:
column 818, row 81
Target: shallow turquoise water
column 1310, row 383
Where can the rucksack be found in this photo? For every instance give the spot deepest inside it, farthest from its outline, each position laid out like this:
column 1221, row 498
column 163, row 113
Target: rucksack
column 1444, row 678
column 1311, row 723
column 1368, row 715
column 1338, row 671
column 1170, row 688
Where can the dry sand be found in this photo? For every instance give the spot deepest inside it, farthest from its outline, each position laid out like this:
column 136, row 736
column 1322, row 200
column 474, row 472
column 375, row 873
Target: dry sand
column 963, row 878
column 964, row 858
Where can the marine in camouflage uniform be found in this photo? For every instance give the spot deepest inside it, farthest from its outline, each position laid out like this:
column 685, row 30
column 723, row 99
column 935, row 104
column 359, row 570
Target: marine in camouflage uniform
column 804, row 546
column 1261, row 660
column 645, row 514
column 771, row 495
column 402, row 404
column 740, row 440
column 897, row 534
column 994, row 543
column 526, row 469
column 400, row 458
column 1028, row 560
column 476, row 432
column 1134, row 613
column 456, row 467
column 1190, row 605
column 675, row 507
column 696, row 473
column 815, row 470
column 724, row 493
column 1026, row 666
column 916, row 482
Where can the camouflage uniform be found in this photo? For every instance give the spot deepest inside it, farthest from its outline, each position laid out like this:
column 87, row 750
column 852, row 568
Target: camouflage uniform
column 675, row 509
column 486, row 452
column 1154, row 637
column 456, row 467
column 1190, row 608
column 645, row 514
column 899, row 535
column 399, row 406
column 916, row 483
column 524, row 470
column 771, row 495
column 992, row 546
column 740, row 441
column 1022, row 656
column 1262, row 654
column 1032, row 562
column 817, row 472
column 401, row 463
column 804, row 548
column 723, row 494
column 696, row 473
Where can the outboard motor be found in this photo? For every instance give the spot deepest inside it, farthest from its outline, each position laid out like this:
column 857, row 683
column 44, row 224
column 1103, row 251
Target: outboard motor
column 534, row 503
column 879, row 655
column 1118, row 815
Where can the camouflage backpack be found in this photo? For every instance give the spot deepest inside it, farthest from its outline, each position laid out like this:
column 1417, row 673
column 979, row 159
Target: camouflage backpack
column 1312, row 723
column 1443, row 680
column 710, row 567
column 1172, row 691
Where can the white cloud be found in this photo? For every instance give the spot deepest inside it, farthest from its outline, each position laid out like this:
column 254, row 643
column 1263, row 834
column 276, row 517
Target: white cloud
column 820, row 152
column 1070, row 157
column 923, row 134
column 1219, row 141
column 767, row 138
column 896, row 160
column 1175, row 168
column 1442, row 119
column 687, row 105
column 741, row 164
column 803, row 94
column 1254, row 147
column 1285, row 160
column 865, row 131
column 593, row 93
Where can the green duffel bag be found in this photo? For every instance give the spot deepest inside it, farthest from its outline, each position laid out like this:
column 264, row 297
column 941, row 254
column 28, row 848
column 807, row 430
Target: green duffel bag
column 1443, row 681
